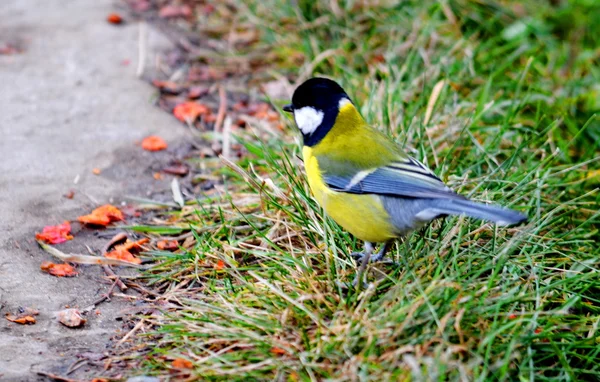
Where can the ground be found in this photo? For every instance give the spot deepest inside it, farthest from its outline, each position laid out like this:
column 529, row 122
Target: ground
column 70, row 102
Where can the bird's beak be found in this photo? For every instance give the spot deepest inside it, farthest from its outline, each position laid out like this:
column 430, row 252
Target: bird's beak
column 288, row 108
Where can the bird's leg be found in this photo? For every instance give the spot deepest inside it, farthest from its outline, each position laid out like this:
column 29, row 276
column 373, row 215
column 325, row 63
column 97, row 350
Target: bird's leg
column 364, row 262
column 382, row 251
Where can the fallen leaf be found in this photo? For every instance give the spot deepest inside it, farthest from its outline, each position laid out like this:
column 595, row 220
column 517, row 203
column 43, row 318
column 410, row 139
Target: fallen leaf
column 102, row 215
column 24, row 317
column 197, row 92
column 189, row 111
column 277, row 351
column 181, row 363
column 220, row 265
column 8, row 49
column 58, row 270
column 175, row 11
column 133, row 245
column 71, row 318
column 55, row 234
column 122, row 254
column 114, row 18
column 96, row 171
column 177, row 169
column 167, row 245
column 169, row 87
column 154, row 143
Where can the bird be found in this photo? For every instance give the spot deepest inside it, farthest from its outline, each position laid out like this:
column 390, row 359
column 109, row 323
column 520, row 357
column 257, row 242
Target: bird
column 364, row 181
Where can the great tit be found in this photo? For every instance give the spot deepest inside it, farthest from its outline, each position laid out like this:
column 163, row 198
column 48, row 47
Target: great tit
column 364, row 181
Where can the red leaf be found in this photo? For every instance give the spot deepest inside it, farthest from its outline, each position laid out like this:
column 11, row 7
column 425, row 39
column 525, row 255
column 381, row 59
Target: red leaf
column 55, row 234
column 154, row 143
column 114, row 18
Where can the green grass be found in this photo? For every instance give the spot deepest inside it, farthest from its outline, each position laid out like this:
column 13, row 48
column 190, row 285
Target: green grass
column 515, row 123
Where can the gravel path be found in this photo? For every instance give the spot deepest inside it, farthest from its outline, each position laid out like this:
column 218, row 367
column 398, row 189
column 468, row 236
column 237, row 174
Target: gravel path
column 69, row 102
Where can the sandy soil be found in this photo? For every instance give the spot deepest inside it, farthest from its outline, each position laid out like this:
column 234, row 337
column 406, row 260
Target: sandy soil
column 69, row 102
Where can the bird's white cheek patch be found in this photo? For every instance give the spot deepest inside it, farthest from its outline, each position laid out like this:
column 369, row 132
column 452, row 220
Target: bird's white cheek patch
column 308, row 119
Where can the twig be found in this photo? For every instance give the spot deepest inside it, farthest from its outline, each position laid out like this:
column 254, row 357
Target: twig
column 56, row 377
column 105, row 297
column 131, row 332
column 142, row 49
column 226, row 152
column 76, row 365
column 176, row 190
column 222, row 109
column 110, row 273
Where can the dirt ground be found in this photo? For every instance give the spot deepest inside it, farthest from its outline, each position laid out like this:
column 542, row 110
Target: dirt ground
column 70, row 101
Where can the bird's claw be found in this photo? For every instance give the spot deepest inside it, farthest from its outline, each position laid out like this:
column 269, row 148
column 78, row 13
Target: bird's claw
column 358, row 256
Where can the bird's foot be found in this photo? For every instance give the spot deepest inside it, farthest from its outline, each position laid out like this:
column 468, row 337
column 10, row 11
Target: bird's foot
column 359, row 256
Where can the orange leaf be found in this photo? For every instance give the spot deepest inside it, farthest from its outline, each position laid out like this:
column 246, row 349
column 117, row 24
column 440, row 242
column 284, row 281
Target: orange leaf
column 123, row 254
column 277, row 351
column 55, row 234
column 132, row 245
column 220, row 265
column 102, row 215
column 26, row 317
column 58, row 270
column 169, row 245
column 189, row 111
column 181, row 363
column 114, row 18
column 154, row 143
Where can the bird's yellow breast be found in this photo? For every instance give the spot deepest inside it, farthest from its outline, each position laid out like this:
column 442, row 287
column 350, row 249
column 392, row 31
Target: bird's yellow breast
column 362, row 215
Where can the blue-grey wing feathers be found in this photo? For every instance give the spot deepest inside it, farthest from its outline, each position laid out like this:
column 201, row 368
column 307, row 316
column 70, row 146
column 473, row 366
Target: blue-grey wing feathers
column 412, row 195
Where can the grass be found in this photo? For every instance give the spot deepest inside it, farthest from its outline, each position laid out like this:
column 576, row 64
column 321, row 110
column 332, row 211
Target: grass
column 253, row 292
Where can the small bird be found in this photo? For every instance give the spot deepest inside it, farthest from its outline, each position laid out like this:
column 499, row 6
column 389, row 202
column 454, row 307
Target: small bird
column 364, row 180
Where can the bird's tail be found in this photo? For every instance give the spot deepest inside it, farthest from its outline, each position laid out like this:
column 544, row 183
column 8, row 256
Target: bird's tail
column 498, row 215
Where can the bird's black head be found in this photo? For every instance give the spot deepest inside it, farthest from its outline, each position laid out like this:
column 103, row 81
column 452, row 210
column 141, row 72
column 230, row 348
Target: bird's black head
column 315, row 105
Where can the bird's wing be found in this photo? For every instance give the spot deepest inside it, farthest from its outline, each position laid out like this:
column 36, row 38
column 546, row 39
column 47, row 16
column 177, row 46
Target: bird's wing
column 401, row 178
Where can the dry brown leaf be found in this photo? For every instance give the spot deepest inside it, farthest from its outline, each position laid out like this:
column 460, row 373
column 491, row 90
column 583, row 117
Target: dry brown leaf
column 71, row 318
